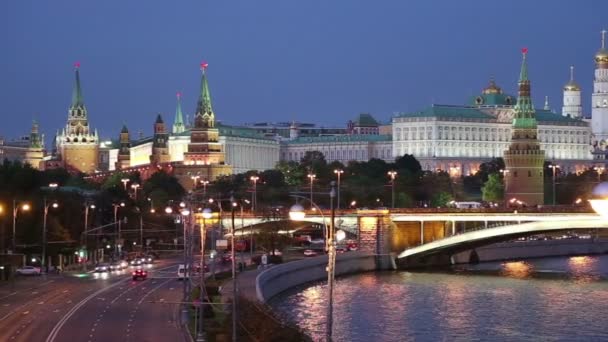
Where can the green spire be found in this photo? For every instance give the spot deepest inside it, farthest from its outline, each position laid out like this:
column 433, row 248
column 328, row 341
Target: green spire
column 77, row 100
column 35, row 139
column 124, row 129
column 178, row 124
column 524, row 110
column 204, row 100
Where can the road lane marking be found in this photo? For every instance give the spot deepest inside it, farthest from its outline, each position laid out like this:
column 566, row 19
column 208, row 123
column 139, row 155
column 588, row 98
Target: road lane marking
column 40, row 303
column 150, row 292
column 25, row 312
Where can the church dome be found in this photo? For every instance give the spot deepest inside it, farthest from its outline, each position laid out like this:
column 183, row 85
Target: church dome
column 601, row 58
column 492, row 88
column 572, row 86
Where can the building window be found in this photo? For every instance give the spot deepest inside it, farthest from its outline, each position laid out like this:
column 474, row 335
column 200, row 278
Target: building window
column 529, row 173
column 515, row 174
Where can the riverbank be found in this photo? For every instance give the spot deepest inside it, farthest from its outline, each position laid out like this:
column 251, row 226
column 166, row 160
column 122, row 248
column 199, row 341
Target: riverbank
column 532, row 249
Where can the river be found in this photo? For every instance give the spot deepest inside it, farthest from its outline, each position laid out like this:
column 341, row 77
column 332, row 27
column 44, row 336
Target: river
column 549, row 299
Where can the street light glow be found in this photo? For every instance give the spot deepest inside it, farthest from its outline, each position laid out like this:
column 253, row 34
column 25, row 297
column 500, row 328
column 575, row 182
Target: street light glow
column 169, row 210
column 207, row 213
column 296, row 212
column 55, row 205
column 340, row 235
column 25, row 207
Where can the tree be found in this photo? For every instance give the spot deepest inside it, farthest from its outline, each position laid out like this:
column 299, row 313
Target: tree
column 293, row 173
column 493, row 190
column 313, row 161
column 441, row 199
column 409, row 163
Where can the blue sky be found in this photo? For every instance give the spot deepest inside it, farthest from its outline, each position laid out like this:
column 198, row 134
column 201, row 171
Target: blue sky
column 281, row 60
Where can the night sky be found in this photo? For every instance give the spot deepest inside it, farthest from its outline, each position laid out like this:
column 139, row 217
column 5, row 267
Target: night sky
column 281, row 60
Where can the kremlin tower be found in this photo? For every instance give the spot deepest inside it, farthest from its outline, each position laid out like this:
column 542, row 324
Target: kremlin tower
column 160, row 143
column 524, row 160
column 124, row 152
column 77, row 145
column 204, row 158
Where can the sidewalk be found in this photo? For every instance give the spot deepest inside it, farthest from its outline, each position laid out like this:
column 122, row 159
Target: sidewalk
column 246, row 286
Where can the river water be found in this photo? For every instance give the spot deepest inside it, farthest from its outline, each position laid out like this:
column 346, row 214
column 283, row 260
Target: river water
column 550, row 299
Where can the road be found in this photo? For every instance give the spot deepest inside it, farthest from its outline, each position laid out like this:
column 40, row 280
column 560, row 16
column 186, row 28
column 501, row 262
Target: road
column 93, row 307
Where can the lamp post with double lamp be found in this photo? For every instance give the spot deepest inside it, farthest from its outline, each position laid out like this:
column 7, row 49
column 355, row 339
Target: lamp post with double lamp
column 195, row 180
column 599, row 170
column 16, row 207
column 47, row 205
column 135, row 187
column 254, row 195
column 297, row 213
column 152, row 209
column 338, row 173
column 205, row 183
column 312, row 177
column 124, row 183
column 554, row 167
column 118, row 230
column 392, row 174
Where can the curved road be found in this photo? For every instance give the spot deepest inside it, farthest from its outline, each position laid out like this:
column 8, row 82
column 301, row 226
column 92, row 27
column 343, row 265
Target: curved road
column 93, row 307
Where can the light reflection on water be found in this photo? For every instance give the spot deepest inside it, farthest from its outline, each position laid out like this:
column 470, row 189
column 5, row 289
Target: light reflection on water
column 553, row 299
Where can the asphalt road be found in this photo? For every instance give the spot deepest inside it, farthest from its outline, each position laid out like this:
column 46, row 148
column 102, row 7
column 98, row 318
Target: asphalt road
column 93, row 307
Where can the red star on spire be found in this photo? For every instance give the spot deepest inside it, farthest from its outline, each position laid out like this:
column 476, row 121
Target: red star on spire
column 204, row 65
column 77, row 65
column 524, row 50
column 178, row 94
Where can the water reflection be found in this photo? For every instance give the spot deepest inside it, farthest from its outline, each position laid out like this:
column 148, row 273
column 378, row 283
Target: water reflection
column 516, row 269
column 514, row 304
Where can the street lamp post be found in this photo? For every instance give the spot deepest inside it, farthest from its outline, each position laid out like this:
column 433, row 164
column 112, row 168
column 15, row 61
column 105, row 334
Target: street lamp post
column 24, row 207
column 312, row 177
column 207, row 214
column 205, row 182
column 554, row 167
column 46, row 212
column 84, row 231
column 124, row 183
column 195, row 180
column 599, row 170
column 135, row 187
column 392, row 174
column 338, row 172
column 117, row 227
column 254, row 195
column 234, row 283
column 297, row 213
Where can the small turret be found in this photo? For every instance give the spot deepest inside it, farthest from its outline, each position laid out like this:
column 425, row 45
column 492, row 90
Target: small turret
column 178, row 123
column 293, row 131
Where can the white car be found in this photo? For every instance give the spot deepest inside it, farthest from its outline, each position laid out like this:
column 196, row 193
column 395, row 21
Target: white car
column 310, row 252
column 28, row 270
column 102, row 268
column 182, row 272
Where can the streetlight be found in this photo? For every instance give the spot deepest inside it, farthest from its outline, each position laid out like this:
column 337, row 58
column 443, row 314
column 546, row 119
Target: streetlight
column 207, row 214
column 117, row 223
column 23, row 207
column 54, row 205
column 554, row 167
column 83, row 238
column 205, row 182
column 124, row 182
column 599, row 170
column 392, row 174
column 254, row 195
column 353, row 204
column 296, row 212
column 312, row 179
column 135, row 187
column 152, row 210
column 338, row 172
column 195, row 180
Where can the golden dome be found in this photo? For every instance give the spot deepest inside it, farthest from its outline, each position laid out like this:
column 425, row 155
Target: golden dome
column 572, row 85
column 601, row 57
column 492, row 88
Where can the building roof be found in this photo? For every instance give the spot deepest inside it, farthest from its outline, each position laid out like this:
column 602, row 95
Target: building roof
column 446, row 111
column 341, row 138
column 365, row 119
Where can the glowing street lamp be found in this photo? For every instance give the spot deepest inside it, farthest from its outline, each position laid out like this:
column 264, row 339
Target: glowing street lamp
column 392, row 174
column 312, row 177
column 338, row 173
column 254, row 195
column 195, row 180
column 23, row 207
column 599, row 170
column 124, row 182
column 554, row 167
column 135, row 187
column 205, row 183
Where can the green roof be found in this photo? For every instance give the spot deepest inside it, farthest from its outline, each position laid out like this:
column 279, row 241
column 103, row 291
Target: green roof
column 341, row 138
column 444, row 111
column 543, row 115
column 492, row 100
column 366, row 119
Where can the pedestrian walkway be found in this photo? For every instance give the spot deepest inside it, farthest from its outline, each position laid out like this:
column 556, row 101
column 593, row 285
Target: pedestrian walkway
column 246, row 286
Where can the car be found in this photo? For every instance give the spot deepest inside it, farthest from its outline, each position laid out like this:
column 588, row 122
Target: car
column 139, row 274
column 124, row 263
column 182, row 272
column 135, row 262
column 310, row 252
column 115, row 266
column 29, row 270
column 197, row 268
column 102, row 267
column 148, row 259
